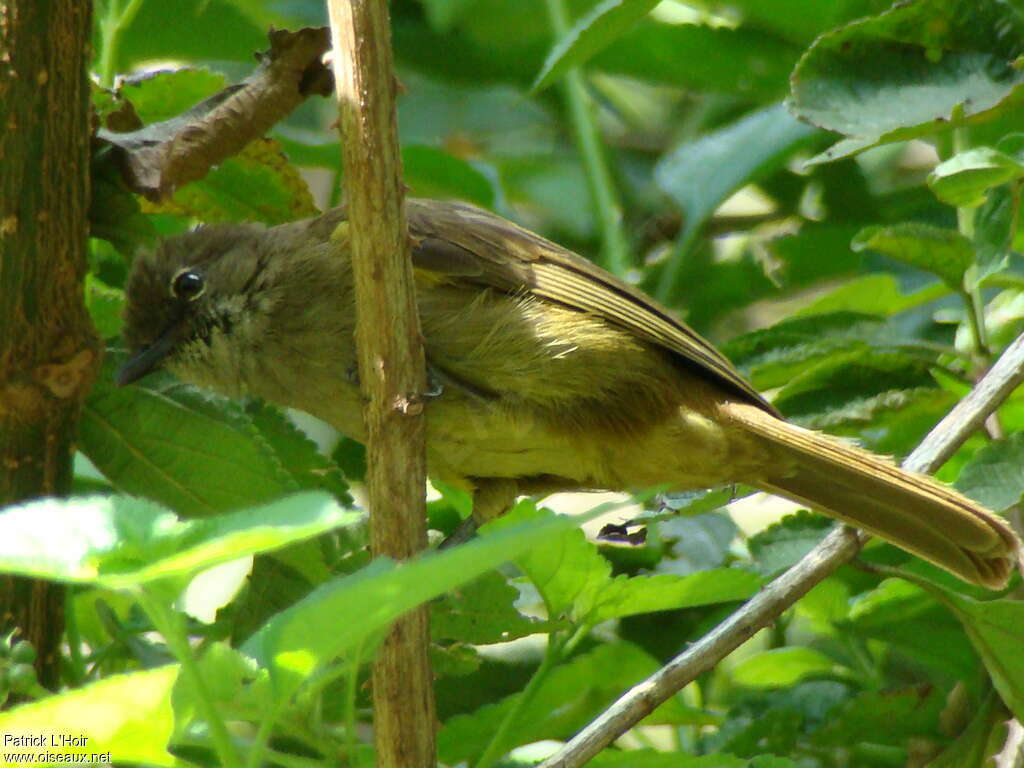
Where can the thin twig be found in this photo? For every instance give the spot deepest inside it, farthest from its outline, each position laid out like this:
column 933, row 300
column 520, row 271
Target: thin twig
column 839, row 547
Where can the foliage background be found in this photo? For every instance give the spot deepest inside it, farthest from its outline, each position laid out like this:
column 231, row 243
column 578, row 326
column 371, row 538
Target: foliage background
column 865, row 292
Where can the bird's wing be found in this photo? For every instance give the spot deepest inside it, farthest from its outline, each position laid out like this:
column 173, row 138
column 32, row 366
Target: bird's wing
column 470, row 244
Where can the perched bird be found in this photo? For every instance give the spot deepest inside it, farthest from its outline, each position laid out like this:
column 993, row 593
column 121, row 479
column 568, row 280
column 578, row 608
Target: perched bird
column 553, row 374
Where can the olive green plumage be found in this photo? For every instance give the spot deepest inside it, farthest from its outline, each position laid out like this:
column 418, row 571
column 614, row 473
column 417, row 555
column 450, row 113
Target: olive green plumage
column 552, row 374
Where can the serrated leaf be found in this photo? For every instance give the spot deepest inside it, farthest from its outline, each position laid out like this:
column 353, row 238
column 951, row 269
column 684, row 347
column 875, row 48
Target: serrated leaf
column 195, row 452
column 780, row 667
column 483, row 612
column 568, row 698
column 128, row 716
column 919, row 68
column 257, row 184
column 857, row 378
column 996, row 629
column 965, row 179
column 900, row 614
column 595, row 30
column 297, row 453
column 455, row 660
column 568, row 571
column 995, row 474
column 886, row 717
column 773, row 356
column 783, row 544
column 299, row 640
column 944, row 252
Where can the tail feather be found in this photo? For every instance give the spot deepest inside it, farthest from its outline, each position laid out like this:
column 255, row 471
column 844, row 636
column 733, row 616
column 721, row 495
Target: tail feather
column 911, row 510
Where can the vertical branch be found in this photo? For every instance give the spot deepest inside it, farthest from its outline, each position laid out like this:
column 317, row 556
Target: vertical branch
column 48, row 351
column 391, row 362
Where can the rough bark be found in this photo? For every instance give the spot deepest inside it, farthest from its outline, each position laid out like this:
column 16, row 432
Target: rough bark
column 48, row 350
column 391, row 363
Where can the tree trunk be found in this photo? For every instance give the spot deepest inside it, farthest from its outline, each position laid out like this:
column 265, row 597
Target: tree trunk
column 48, row 349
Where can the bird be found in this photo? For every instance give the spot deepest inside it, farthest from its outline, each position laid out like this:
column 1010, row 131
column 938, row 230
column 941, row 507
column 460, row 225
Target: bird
column 547, row 374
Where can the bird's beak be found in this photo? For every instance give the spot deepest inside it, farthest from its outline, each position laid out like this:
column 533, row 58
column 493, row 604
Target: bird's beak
column 147, row 359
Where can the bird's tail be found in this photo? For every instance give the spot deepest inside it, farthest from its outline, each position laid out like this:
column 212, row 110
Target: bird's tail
column 911, row 510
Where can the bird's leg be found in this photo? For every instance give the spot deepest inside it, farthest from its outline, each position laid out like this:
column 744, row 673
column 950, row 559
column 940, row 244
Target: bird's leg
column 492, row 498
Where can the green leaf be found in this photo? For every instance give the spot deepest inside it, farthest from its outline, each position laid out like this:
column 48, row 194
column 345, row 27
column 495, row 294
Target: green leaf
column 773, row 356
column 570, row 696
column 735, row 61
column 257, row 184
column 628, row 596
column 783, row 544
column 567, row 570
column 803, row 20
column 919, row 68
column 431, row 172
column 846, row 381
column 698, row 542
column 984, row 737
column 873, row 295
column 995, row 629
column 231, row 680
column 944, row 252
column 483, row 612
column 591, row 33
column 775, row 730
column 121, row 542
column 300, row 639
column 900, row 614
column 455, row 660
column 114, row 212
column 699, row 175
column 299, row 455
column 883, row 717
column 965, row 178
column 105, row 305
column 780, row 667
column 648, row 758
column 195, row 452
column 200, row 30
column 159, row 96
column 444, row 14
column 126, row 719
column 995, row 474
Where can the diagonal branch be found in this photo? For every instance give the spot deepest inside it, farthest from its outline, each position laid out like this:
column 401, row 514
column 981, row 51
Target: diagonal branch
column 839, row 547
column 160, row 157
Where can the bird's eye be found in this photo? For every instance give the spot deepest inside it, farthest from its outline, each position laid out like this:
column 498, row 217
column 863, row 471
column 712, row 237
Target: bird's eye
column 187, row 285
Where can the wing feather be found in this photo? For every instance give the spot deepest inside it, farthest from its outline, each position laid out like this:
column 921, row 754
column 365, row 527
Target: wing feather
column 464, row 242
